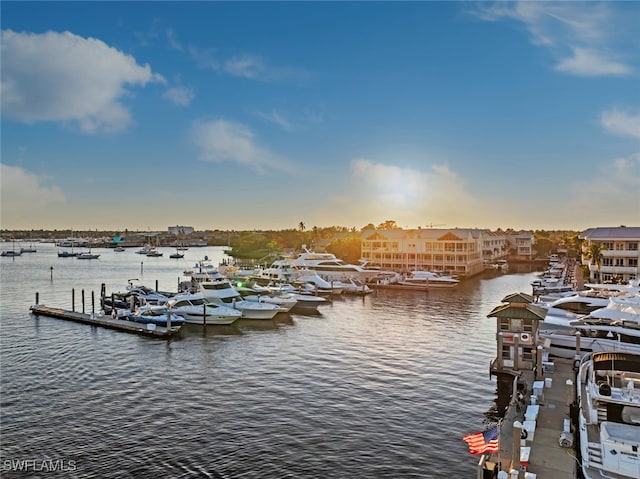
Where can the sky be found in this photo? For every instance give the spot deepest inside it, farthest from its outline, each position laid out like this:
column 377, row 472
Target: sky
column 265, row 115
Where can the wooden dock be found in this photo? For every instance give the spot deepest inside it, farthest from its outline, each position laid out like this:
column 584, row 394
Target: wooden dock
column 541, row 454
column 104, row 321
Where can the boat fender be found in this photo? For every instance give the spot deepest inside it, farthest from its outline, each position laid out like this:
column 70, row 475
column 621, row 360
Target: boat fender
column 524, row 434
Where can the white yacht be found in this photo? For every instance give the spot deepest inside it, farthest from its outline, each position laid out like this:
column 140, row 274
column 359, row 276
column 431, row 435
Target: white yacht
column 305, row 301
column 195, row 310
column 218, row 290
column 285, row 302
column 429, row 279
column 313, row 283
column 608, row 393
column 615, row 327
column 330, row 268
column 355, row 286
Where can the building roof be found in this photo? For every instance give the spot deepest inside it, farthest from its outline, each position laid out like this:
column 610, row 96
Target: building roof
column 518, row 311
column 608, row 233
column 434, row 234
column 518, row 298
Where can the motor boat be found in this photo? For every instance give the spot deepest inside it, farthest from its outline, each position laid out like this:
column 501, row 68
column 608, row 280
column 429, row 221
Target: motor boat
column 313, row 283
column 331, row 268
column 284, row 301
column 429, row 279
column 615, row 327
column 196, row 310
column 608, row 400
column 355, row 286
column 218, row 290
column 146, row 294
column 155, row 314
column 87, row 255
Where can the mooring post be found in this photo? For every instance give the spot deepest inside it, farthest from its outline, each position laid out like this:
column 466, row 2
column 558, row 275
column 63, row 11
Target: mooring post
column 73, row 299
column 517, row 438
column 83, row 301
column 51, row 270
column 204, row 315
column 141, row 267
column 156, row 285
column 37, row 298
column 93, row 303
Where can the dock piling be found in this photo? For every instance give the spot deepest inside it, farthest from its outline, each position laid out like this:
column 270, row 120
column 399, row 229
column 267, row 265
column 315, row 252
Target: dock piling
column 37, row 298
column 73, row 300
column 83, row 301
column 517, row 434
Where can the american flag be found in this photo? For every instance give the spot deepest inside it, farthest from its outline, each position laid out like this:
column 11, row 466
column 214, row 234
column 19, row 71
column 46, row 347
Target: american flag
column 485, row 441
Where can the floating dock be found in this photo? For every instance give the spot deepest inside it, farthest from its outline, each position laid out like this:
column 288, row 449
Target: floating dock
column 105, row 321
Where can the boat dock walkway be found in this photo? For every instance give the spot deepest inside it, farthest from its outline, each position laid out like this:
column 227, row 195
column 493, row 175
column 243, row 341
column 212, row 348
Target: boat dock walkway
column 105, row 321
column 541, row 453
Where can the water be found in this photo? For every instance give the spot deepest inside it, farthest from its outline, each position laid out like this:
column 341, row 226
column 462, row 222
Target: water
column 380, row 387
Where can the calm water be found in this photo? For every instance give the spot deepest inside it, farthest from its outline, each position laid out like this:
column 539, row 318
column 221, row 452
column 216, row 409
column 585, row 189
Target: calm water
column 380, row 387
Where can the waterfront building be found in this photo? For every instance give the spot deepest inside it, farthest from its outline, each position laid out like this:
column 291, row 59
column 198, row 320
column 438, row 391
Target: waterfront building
column 495, row 246
column 522, row 246
column 618, row 253
column 456, row 251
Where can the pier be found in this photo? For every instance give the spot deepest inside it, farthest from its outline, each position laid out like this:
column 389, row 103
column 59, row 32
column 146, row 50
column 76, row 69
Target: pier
column 549, row 447
column 104, row 321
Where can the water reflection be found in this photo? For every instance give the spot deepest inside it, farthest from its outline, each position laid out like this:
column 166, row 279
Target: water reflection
column 378, row 386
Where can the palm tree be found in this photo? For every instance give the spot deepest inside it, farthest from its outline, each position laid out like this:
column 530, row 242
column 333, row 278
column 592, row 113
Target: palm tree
column 301, row 226
column 594, row 254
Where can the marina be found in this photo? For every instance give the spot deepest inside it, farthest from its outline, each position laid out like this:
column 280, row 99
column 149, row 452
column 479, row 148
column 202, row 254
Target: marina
column 380, row 383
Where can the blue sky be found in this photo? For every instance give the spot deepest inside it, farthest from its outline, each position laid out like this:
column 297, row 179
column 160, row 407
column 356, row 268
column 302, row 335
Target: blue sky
column 260, row 115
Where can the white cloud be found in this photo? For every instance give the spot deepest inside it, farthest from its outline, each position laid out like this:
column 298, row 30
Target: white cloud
column 583, row 35
column 180, row 96
column 612, row 195
column 246, row 66
column 621, row 123
column 26, row 197
column 587, row 62
column 222, row 140
column 278, row 119
column 411, row 197
column 64, row 77
column 173, row 42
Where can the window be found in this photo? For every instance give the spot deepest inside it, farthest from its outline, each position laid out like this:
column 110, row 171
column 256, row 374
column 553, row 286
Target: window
column 506, row 351
column 504, row 324
column 633, row 246
column 527, row 325
column 633, row 262
column 527, row 355
column 619, row 262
